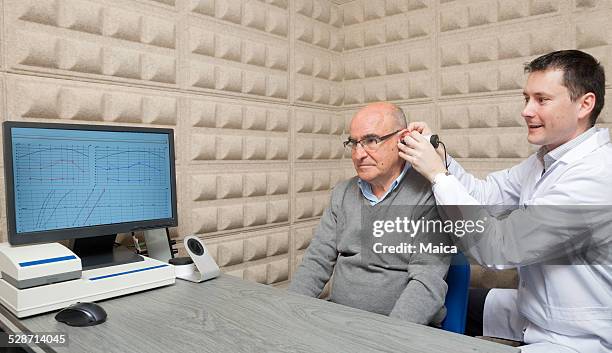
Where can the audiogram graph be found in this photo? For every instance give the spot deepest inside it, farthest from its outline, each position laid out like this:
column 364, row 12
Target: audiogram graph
column 47, row 164
column 68, row 208
column 123, row 166
column 78, row 178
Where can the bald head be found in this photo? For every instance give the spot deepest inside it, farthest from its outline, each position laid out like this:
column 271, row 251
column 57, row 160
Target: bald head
column 391, row 114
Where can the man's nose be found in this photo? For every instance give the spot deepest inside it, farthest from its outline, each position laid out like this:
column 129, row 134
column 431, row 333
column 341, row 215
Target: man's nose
column 359, row 151
column 529, row 110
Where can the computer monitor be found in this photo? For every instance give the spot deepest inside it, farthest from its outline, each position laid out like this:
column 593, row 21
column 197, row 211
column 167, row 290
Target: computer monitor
column 67, row 181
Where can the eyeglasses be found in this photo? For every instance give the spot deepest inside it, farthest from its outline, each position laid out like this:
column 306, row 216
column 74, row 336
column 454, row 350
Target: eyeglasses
column 371, row 142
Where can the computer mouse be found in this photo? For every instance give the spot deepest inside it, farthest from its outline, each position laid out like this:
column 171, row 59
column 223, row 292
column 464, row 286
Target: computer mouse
column 82, row 314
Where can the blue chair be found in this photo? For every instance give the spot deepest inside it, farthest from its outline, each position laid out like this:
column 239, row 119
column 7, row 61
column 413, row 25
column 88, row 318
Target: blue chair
column 458, row 280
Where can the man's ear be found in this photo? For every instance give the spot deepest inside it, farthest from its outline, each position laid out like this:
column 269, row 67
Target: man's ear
column 587, row 103
column 403, row 134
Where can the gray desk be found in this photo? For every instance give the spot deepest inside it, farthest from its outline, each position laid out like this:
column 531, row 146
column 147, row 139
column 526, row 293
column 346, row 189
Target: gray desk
column 230, row 315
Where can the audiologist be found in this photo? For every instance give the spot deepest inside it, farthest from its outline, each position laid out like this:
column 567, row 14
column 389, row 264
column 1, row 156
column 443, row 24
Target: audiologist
column 557, row 308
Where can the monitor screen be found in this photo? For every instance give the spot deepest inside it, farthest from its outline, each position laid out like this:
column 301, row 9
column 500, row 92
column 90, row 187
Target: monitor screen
column 73, row 181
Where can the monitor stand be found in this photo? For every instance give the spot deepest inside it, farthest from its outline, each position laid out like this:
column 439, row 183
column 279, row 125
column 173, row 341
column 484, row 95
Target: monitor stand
column 100, row 251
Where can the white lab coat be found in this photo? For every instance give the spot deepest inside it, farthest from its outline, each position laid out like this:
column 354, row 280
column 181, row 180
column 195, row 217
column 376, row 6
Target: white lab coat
column 557, row 308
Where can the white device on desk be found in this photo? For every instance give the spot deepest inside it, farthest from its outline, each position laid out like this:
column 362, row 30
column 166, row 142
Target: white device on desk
column 30, row 266
column 49, row 277
column 86, row 184
column 203, row 267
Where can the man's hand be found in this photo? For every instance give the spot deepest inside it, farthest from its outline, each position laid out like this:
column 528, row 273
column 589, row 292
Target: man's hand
column 419, row 126
column 423, row 129
column 421, row 154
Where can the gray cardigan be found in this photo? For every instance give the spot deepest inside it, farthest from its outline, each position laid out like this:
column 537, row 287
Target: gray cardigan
column 407, row 286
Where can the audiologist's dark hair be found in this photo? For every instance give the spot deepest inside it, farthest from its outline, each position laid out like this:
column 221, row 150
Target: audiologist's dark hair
column 582, row 74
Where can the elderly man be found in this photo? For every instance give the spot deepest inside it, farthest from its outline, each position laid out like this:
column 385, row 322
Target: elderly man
column 407, row 286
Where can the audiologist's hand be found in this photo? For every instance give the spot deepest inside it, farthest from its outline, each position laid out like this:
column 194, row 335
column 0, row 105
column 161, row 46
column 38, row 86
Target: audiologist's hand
column 420, row 153
column 419, row 126
column 424, row 129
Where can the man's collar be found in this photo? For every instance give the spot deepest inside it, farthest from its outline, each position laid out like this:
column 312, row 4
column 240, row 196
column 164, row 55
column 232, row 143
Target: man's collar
column 600, row 137
column 548, row 158
column 366, row 188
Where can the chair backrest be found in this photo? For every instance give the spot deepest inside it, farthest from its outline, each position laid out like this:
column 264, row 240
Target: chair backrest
column 458, row 280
